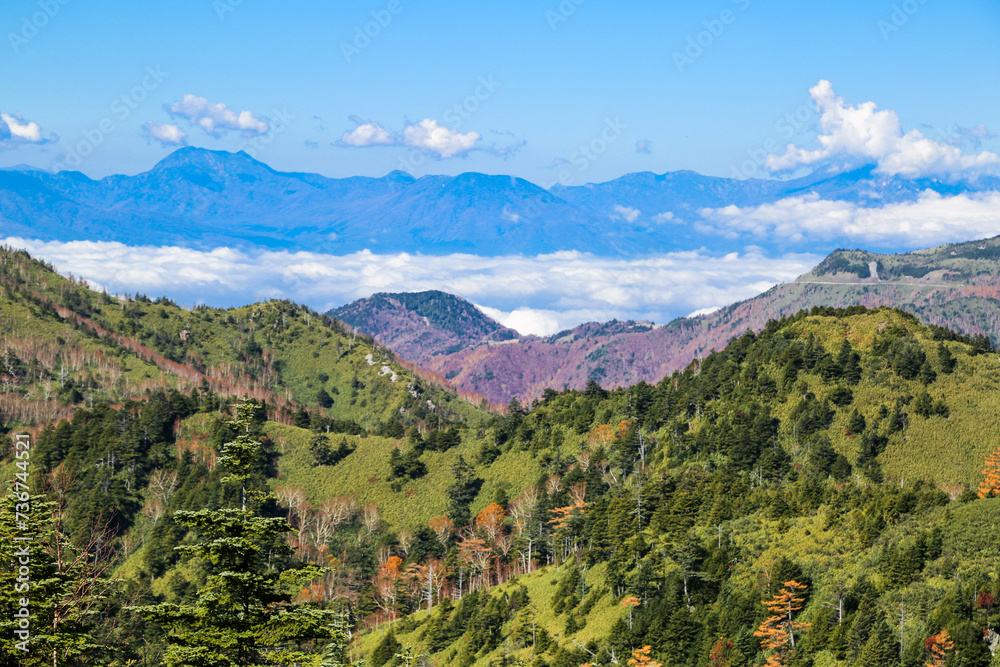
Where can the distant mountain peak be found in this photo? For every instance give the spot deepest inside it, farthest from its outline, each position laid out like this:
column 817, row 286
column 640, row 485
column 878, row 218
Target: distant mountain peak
column 223, row 161
column 431, row 322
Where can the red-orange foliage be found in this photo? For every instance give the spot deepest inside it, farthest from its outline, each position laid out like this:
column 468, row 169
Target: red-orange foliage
column 640, row 658
column 938, row 645
column 721, row 652
column 490, row 521
column 777, row 633
column 443, row 527
column 991, row 482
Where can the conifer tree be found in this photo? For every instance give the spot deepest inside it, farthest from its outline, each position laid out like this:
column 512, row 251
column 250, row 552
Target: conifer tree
column 777, row 632
column 243, row 615
column 882, row 647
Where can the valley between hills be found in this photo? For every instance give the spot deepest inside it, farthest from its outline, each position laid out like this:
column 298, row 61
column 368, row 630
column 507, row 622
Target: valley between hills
column 840, row 460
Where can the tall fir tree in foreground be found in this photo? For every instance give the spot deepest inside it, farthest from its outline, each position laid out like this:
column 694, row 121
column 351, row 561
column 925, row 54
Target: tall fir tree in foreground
column 244, row 615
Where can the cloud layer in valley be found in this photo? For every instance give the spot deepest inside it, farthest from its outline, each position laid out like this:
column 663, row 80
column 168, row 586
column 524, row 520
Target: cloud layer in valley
column 932, row 219
column 538, row 295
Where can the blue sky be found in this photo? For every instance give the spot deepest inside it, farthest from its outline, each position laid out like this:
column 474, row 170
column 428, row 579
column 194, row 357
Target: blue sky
column 534, row 81
column 572, row 90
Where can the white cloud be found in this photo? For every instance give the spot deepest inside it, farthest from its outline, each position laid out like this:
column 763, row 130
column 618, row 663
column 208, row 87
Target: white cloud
column 930, row 220
column 14, row 131
column 167, row 134
column 430, row 136
column 704, row 311
column 370, row 134
column 509, row 216
column 666, row 216
column 628, row 213
column 531, row 294
column 527, row 321
column 644, row 146
column 216, row 119
column 854, row 134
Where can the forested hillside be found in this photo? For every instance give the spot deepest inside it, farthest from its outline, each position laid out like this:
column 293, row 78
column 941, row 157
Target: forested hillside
column 955, row 285
column 841, row 465
column 62, row 345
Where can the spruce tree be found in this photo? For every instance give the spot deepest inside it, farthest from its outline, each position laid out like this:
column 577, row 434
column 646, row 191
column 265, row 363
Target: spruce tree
column 882, row 647
column 243, row 615
column 462, row 492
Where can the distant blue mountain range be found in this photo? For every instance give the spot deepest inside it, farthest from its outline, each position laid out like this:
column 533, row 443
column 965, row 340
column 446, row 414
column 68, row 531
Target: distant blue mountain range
column 202, row 199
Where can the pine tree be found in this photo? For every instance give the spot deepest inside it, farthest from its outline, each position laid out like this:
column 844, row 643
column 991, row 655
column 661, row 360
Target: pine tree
column 243, row 615
column 462, row 492
column 882, row 647
column 51, row 607
column 945, row 358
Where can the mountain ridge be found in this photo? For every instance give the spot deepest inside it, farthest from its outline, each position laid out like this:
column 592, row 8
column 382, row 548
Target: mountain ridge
column 200, row 198
column 954, row 285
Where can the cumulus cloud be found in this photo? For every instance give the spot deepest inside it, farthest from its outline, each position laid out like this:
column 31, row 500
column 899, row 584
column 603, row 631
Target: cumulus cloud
column 526, row 321
column 930, row 220
column 427, row 136
column 666, row 216
column 14, row 131
column 858, row 134
column 369, row 134
column 531, row 294
column 432, row 137
column 626, row 213
column 216, row 119
column 167, row 134
column 644, row 146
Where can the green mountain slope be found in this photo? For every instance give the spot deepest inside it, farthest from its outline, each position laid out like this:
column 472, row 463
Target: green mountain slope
column 955, row 286
column 840, row 449
column 60, row 335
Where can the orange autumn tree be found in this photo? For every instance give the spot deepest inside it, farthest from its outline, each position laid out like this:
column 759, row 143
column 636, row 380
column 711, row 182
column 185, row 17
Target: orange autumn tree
column 722, row 653
column 388, row 574
column 640, row 658
column 777, row 633
column 991, row 483
column 938, row 645
column 630, row 602
column 443, row 528
column 490, row 521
